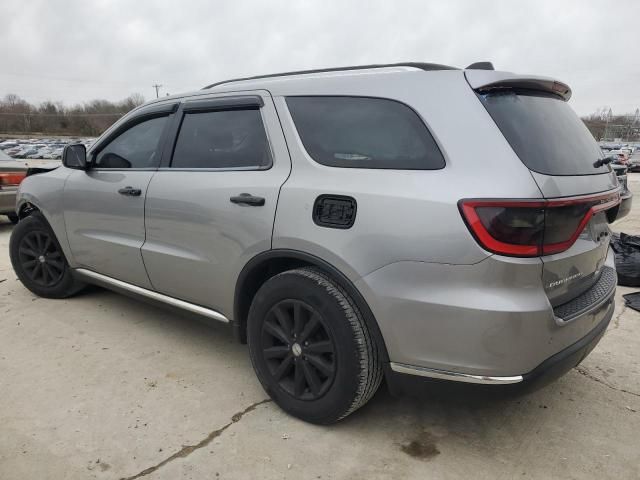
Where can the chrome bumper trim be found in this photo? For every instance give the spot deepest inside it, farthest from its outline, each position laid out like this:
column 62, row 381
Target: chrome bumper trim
column 453, row 376
column 207, row 312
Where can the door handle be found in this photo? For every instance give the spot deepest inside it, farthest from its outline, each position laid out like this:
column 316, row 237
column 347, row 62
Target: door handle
column 130, row 191
column 248, row 199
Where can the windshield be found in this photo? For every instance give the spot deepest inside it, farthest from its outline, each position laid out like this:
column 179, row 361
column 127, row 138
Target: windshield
column 544, row 132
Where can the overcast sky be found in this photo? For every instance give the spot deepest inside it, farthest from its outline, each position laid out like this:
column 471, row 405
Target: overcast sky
column 78, row 50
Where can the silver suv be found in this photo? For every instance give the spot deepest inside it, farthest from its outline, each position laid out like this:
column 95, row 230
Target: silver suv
column 400, row 221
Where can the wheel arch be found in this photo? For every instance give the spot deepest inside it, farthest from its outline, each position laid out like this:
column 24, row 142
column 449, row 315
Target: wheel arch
column 267, row 264
column 28, row 208
column 29, row 205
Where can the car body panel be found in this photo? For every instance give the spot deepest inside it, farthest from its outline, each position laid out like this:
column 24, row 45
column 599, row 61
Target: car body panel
column 491, row 318
column 45, row 192
column 197, row 240
column 106, row 230
column 569, row 273
column 398, row 208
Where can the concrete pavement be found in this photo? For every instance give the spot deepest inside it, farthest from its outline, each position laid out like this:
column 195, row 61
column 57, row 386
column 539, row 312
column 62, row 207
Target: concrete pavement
column 103, row 386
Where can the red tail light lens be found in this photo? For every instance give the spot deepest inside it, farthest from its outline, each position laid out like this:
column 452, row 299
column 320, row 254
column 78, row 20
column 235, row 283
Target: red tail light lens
column 531, row 228
column 11, row 178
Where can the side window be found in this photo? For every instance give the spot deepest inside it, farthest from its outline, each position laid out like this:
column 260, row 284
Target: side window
column 222, row 139
column 361, row 132
column 137, row 147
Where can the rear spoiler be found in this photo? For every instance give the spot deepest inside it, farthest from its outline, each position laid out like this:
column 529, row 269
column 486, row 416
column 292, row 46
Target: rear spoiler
column 485, row 80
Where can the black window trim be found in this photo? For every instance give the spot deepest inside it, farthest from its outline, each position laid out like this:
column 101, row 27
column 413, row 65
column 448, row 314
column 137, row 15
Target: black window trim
column 235, row 102
column 373, row 97
column 146, row 113
column 217, row 104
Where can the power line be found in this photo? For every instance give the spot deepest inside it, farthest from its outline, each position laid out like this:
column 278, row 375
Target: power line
column 157, row 87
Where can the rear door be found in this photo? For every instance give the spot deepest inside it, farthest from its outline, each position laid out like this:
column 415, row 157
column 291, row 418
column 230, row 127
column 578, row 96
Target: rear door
column 211, row 206
column 563, row 158
column 104, row 206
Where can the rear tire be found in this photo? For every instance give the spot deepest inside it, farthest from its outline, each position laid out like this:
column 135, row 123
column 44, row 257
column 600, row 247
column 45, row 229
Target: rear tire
column 13, row 218
column 39, row 261
column 311, row 348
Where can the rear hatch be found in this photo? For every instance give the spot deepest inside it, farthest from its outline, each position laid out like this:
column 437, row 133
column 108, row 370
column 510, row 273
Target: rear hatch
column 565, row 161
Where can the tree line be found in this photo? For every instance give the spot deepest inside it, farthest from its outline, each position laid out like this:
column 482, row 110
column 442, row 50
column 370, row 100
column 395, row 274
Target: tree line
column 88, row 119
column 604, row 125
column 94, row 117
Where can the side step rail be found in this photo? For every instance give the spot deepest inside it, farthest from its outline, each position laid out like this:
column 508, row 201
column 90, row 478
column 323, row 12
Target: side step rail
column 93, row 277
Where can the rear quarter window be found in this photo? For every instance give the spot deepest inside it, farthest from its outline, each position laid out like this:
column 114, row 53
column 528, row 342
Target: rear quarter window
column 359, row 132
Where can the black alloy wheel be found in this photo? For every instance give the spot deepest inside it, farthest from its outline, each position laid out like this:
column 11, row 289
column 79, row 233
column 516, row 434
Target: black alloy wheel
column 298, row 349
column 40, row 258
column 310, row 346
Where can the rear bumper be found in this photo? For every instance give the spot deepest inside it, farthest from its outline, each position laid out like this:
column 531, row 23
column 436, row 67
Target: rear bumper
column 406, row 379
column 8, row 201
column 491, row 322
column 560, row 363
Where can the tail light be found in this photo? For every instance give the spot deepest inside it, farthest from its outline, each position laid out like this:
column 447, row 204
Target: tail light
column 532, row 228
column 11, row 178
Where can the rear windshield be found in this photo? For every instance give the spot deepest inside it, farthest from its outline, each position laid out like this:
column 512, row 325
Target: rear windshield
column 362, row 132
column 544, row 131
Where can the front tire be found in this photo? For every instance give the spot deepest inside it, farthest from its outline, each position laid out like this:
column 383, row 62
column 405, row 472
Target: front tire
column 38, row 260
column 311, row 348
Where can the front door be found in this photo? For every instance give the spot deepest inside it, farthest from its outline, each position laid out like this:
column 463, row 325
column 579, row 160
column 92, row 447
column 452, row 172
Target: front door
column 104, row 206
column 211, row 207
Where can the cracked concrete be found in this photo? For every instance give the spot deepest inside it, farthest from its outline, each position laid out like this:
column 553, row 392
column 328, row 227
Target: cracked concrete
column 616, row 319
column 104, row 387
column 186, row 450
column 583, row 371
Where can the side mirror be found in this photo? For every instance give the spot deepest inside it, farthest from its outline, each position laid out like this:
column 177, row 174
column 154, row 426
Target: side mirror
column 75, row 156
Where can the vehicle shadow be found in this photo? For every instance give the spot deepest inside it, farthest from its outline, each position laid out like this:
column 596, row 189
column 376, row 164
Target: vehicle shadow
column 431, row 402
column 451, row 421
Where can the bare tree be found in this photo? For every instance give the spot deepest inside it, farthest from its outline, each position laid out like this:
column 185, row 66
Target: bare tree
column 90, row 118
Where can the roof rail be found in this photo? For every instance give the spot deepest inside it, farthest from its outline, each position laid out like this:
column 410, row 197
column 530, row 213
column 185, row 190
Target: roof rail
column 421, row 66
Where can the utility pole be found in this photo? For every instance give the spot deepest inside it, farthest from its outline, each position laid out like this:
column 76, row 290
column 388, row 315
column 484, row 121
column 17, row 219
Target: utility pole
column 157, row 87
column 608, row 116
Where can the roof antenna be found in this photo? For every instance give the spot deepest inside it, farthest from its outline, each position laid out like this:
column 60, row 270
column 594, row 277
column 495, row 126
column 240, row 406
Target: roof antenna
column 480, row 66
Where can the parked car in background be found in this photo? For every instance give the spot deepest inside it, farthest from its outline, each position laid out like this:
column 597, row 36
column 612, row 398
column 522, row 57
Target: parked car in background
column 14, row 150
column 619, row 157
column 626, row 197
column 12, row 173
column 54, row 154
column 39, row 154
column 25, row 152
column 39, row 148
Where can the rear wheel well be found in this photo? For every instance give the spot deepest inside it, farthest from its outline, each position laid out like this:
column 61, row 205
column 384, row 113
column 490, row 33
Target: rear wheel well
column 250, row 282
column 266, row 265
